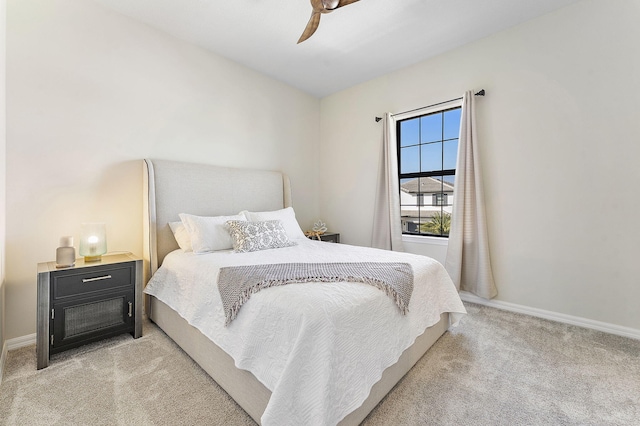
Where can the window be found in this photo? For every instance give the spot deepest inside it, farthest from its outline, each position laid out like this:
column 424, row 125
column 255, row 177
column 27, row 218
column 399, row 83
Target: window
column 427, row 154
column 440, row 199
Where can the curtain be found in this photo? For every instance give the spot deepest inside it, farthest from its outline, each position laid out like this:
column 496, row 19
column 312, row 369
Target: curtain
column 387, row 229
column 468, row 261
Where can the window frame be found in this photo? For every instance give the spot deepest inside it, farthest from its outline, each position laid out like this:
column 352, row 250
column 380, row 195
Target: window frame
column 398, row 118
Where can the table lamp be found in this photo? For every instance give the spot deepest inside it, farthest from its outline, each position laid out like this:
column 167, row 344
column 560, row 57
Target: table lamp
column 93, row 241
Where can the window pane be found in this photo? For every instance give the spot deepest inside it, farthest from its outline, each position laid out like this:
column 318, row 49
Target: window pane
column 431, row 157
column 436, row 218
column 409, row 208
column 409, row 132
column 431, row 128
column 410, row 159
column 452, row 124
column 408, row 189
column 450, row 154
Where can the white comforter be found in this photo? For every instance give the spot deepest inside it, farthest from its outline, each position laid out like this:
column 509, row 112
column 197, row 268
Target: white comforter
column 319, row 348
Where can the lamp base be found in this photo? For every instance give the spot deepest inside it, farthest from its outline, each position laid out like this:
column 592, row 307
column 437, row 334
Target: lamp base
column 97, row 258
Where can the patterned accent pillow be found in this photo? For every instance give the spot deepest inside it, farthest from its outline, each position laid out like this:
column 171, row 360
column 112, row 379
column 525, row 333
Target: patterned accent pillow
column 254, row 236
column 287, row 216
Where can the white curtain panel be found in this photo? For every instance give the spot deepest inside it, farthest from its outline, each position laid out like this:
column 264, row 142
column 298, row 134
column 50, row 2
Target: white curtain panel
column 468, row 261
column 387, row 229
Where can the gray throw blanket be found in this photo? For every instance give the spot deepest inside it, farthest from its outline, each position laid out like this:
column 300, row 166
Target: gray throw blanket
column 237, row 283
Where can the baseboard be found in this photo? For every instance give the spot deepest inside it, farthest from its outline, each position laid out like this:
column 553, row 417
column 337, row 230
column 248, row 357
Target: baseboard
column 20, row 342
column 11, row 344
column 3, row 358
column 554, row 316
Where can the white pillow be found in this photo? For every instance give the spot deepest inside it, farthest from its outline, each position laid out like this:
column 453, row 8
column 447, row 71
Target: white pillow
column 181, row 235
column 254, row 236
column 209, row 233
column 286, row 216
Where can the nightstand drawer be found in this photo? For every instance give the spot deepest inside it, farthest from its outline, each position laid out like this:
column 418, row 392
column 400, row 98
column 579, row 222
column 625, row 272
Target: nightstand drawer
column 68, row 284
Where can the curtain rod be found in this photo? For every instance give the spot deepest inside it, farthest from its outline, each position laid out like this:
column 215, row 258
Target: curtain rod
column 479, row 93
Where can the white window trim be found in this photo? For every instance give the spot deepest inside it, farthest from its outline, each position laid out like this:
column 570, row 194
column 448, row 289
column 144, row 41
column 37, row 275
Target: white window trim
column 425, row 239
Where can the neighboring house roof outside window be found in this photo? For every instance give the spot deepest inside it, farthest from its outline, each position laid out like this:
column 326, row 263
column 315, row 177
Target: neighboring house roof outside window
column 427, row 185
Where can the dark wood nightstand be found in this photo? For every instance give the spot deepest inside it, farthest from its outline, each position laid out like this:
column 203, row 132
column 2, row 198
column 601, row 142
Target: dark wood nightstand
column 330, row 237
column 87, row 302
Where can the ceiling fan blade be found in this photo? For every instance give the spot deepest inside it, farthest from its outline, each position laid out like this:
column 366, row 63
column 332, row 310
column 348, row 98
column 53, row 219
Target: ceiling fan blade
column 311, row 27
column 346, row 2
column 321, row 6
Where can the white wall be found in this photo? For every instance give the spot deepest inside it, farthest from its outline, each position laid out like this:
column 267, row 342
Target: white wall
column 558, row 125
column 89, row 94
column 3, row 167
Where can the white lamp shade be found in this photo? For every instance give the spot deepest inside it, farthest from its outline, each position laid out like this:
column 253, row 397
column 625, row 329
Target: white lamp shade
column 93, row 240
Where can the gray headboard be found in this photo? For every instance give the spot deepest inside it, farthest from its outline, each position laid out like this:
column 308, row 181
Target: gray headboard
column 173, row 187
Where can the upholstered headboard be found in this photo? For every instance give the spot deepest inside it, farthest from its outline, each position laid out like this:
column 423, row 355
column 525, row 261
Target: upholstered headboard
column 173, row 187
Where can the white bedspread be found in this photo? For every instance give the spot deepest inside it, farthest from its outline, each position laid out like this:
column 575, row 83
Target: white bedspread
column 318, row 347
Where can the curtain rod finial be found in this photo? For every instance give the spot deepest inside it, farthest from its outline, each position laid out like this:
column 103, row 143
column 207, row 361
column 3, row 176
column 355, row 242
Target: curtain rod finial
column 378, row 119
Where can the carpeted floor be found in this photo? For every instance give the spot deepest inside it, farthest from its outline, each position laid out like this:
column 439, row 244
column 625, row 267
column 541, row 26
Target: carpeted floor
column 496, row 368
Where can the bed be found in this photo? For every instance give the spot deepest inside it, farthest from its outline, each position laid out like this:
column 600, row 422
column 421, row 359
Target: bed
column 321, row 375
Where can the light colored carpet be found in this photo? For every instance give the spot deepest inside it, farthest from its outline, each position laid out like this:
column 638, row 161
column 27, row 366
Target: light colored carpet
column 496, row 368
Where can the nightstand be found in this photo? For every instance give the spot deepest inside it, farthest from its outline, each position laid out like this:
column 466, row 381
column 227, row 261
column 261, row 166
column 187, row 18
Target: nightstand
column 87, row 302
column 330, row 237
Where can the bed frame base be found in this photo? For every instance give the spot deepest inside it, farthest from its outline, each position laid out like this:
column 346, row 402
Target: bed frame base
column 252, row 395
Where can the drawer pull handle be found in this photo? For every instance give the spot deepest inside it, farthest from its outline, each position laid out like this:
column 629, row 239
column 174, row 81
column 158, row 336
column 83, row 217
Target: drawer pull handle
column 88, row 280
column 130, row 310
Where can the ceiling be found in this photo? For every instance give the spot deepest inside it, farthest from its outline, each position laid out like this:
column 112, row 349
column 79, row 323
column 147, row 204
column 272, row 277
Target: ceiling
column 353, row 44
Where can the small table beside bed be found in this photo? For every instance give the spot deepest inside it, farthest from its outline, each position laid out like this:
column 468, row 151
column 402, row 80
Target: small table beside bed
column 325, row 348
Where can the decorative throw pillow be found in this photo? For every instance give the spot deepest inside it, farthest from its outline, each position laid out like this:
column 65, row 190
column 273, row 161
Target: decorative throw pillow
column 287, row 216
column 181, row 235
column 254, row 236
column 209, row 233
